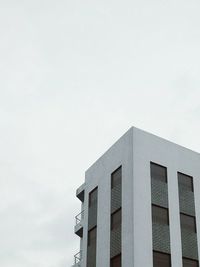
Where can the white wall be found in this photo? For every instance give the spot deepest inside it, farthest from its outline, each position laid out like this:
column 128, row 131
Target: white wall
column 148, row 147
column 99, row 174
column 134, row 151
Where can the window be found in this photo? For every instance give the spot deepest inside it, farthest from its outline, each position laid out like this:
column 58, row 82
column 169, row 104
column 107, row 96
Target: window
column 185, row 181
column 158, row 172
column 93, row 197
column 91, row 249
column 116, row 261
column 92, row 236
column 188, row 223
column 116, row 220
column 190, row 263
column 116, row 177
column 160, row 215
column 161, row 259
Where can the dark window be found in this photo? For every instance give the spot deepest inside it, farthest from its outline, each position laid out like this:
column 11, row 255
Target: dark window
column 116, row 219
column 160, row 215
column 188, row 222
column 185, row 181
column 190, row 263
column 93, row 197
column 92, row 236
column 116, row 177
column 116, row 261
column 91, row 249
column 158, row 172
column 161, row 259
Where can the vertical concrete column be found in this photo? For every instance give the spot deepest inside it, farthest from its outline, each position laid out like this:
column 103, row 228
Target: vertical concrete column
column 174, row 217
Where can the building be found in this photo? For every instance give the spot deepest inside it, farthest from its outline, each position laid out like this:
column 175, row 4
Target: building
column 140, row 205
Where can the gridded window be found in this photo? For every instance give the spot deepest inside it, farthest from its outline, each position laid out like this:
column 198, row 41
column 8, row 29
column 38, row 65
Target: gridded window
column 93, row 197
column 161, row 259
column 116, row 261
column 160, row 215
column 116, row 177
column 188, row 223
column 158, row 172
column 185, row 181
column 92, row 236
column 190, row 263
column 116, row 219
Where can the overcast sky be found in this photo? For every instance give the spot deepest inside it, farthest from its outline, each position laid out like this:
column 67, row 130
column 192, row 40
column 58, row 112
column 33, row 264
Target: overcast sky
column 74, row 76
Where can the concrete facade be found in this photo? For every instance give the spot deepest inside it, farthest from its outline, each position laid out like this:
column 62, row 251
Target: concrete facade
column 134, row 151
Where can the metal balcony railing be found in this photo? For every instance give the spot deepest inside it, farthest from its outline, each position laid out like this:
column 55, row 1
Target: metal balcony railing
column 79, row 217
column 77, row 257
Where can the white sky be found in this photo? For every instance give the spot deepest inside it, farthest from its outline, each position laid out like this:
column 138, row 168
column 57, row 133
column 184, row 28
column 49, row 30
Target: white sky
column 74, row 76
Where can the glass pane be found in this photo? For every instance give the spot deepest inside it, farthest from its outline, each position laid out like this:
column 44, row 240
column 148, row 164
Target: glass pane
column 116, row 220
column 92, row 236
column 190, row 263
column 93, row 197
column 158, row 172
column 188, row 223
column 160, row 215
column 185, row 181
column 116, row 177
column 161, row 259
column 116, row 261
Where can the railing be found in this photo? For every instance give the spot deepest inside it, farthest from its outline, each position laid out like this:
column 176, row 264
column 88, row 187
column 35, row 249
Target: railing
column 78, row 257
column 79, row 217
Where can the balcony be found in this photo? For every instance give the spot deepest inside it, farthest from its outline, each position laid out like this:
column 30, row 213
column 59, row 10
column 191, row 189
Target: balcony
column 77, row 259
column 78, row 228
column 80, row 192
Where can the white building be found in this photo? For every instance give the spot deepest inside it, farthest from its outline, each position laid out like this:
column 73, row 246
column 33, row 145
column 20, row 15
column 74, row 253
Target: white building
column 141, row 205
